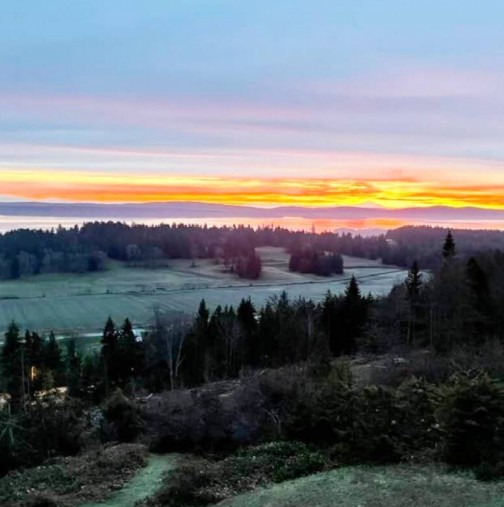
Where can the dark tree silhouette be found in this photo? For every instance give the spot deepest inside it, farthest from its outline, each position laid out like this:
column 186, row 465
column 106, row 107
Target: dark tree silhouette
column 449, row 249
column 12, row 364
column 480, row 299
column 413, row 285
column 353, row 317
column 130, row 355
column 109, row 353
column 52, row 354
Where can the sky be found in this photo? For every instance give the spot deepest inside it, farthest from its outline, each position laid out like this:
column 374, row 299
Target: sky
column 314, row 103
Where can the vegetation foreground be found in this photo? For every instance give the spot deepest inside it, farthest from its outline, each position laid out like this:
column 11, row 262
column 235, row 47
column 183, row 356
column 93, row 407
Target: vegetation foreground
column 398, row 486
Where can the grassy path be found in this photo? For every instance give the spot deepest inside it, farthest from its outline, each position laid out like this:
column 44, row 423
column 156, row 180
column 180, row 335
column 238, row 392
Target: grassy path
column 393, row 486
column 145, row 483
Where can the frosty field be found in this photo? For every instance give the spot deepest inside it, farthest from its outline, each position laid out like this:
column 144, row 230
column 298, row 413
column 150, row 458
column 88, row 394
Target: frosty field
column 72, row 303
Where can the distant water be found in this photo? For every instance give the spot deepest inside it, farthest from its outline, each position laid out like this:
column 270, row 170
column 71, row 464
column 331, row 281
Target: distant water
column 365, row 226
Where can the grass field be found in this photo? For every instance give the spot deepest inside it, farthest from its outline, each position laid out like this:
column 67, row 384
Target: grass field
column 71, row 303
column 393, row 486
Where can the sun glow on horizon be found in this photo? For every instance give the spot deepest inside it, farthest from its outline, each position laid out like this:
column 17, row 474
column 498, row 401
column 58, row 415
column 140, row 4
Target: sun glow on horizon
column 264, row 192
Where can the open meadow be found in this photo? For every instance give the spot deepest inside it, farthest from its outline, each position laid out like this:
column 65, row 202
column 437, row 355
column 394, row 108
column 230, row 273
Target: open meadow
column 397, row 486
column 80, row 303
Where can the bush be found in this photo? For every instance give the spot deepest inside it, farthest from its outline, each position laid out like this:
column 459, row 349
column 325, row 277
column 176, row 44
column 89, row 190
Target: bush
column 417, row 427
column 421, row 365
column 281, row 461
column 15, row 486
column 189, row 486
column 204, row 482
column 184, row 420
column 371, row 424
column 122, row 418
column 471, row 417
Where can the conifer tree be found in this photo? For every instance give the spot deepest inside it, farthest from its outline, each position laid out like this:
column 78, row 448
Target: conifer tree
column 109, row 353
column 353, row 317
column 202, row 341
column 330, row 323
column 201, row 322
column 413, row 284
column 13, row 364
column 246, row 315
column 130, row 353
column 34, row 362
column 53, row 359
column 480, row 299
column 73, row 369
column 449, row 249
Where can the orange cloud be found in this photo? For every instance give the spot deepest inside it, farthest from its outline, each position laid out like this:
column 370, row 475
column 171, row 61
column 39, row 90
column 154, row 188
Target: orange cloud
column 99, row 187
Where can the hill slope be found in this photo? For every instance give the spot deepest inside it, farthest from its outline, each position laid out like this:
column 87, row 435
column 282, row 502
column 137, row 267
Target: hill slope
column 392, row 486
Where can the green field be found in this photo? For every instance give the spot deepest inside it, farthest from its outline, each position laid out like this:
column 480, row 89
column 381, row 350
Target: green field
column 393, row 486
column 71, row 303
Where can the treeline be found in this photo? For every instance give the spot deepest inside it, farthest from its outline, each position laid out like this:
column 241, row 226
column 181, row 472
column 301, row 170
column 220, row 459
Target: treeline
column 460, row 304
column 179, row 352
column 80, row 249
column 221, row 344
column 407, row 244
column 318, row 263
column 87, row 248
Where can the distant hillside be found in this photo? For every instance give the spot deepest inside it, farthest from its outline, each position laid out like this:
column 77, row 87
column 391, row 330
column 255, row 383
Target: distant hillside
column 171, row 210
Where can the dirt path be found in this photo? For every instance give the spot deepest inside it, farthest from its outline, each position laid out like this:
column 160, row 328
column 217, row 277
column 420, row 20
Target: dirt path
column 145, row 483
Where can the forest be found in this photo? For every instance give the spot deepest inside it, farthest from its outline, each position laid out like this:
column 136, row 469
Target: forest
column 88, row 248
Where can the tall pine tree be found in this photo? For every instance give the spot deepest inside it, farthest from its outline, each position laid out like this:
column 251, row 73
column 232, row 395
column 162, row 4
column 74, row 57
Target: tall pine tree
column 353, row 317
column 130, row 353
column 449, row 249
column 13, row 365
column 109, row 353
column 413, row 285
column 480, row 299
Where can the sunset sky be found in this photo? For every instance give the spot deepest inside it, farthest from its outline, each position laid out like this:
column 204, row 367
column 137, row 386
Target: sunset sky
column 313, row 103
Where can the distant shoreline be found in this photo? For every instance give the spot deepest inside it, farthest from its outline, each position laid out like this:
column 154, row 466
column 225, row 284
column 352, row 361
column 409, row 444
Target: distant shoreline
column 363, row 226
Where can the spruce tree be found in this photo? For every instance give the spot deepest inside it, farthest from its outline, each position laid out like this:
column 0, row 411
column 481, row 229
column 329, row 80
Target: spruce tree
column 73, row 369
column 330, row 323
column 201, row 323
column 246, row 314
column 247, row 319
column 480, row 299
column 413, row 284
column 53, row 359
column 130, row 353
column 449, row 249
column 12, row 364
column 34, row 362
column 353, row 317
column 109, row 353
